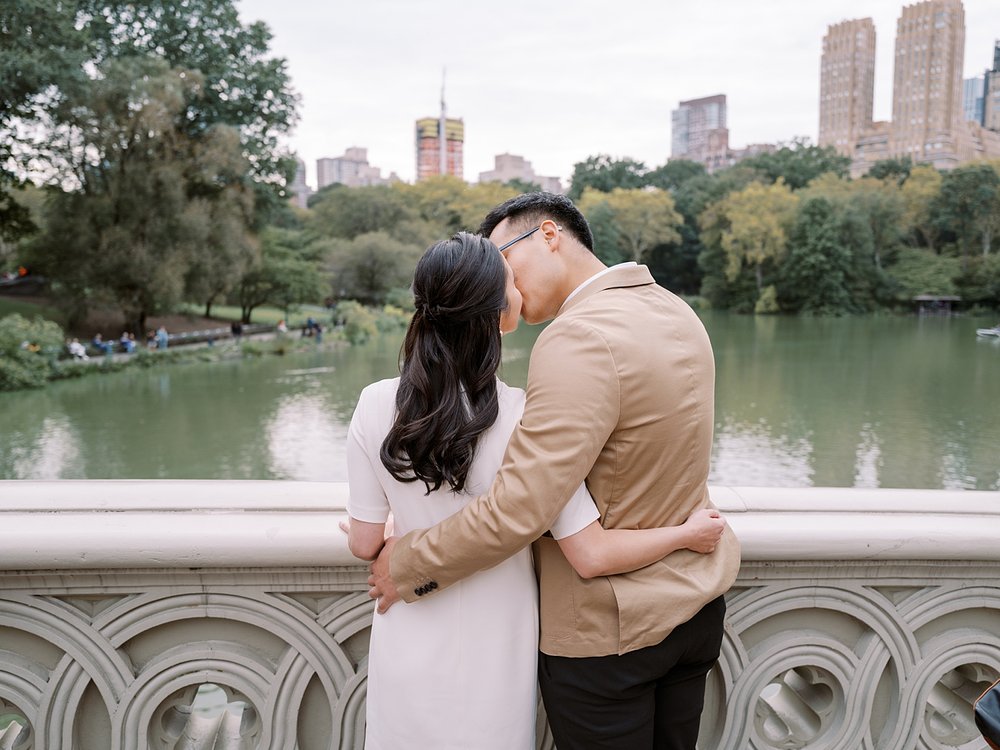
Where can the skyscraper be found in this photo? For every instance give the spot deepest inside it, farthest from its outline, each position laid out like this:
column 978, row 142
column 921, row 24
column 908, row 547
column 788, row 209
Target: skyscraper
column 847, row 84
column 298, row 188
column 972, row 98
column 439, row 144
column 991, row 93
column 699, row 132
column 431, row 133
column 927, row 121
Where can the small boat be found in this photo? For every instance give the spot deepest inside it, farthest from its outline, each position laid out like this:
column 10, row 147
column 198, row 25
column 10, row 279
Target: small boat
column 989, row 332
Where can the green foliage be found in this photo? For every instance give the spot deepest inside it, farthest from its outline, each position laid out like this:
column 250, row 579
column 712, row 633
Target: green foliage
column 814, row 277
column 339, row 211
column 369, row 266
column 979, row 283
column 520, row 186
column 967, row 205
column 400, row 298
column 607, row 237
column 152, row 198
column 641, row 219
column 243, row 86
column 675, row 173
column 358, row 321
column 287, row 273
column 752, row 227
column 604, row 173
column 897, row 169
column 392, row 319
column 28, row 351
column 918, row 195
column 921, row 272
column 767, row 303
column 40, row 48
column 798, row 163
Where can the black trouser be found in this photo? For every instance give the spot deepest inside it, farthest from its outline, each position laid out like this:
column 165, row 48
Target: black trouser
column 650, row 698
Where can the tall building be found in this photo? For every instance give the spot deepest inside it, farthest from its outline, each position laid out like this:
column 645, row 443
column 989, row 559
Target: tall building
column 432, row 132
column 507, row 167
column 352, row 169
column 927, row 121
column 973, row 90
column 298, row 188
column 699, row 132
column 847, row 84
column 439, row 144
column 991, row 93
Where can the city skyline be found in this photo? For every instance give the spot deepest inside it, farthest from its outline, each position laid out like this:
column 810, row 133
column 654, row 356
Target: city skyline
column 559, row 87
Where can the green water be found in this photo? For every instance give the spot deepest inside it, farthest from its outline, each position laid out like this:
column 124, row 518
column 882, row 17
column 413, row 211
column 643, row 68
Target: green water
column 868, row 402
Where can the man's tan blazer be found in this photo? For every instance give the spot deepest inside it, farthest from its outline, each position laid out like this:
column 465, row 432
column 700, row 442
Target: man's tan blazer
column 621, row 392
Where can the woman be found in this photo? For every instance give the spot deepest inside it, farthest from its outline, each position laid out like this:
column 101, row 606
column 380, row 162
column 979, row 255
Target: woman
column 458, row 670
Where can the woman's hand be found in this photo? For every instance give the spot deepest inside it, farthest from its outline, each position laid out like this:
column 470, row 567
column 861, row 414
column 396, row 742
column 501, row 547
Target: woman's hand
column 704, row 530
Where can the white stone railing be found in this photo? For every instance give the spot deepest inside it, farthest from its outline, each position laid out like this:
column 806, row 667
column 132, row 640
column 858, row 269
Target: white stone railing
column 230, row 615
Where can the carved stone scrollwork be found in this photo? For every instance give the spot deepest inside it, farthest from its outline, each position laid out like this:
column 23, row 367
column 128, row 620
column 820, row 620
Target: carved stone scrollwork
column 15, row 729
column 795, row 709
column 205, row 716
column 871, row 639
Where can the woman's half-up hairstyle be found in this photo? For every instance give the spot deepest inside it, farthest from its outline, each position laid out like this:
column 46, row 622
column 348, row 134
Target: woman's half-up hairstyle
column 447, row 393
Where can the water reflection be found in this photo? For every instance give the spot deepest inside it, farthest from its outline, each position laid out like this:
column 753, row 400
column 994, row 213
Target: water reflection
column 54, row 453
column 868, row 458
column 750, row 454
column 303, row 442
column 867, row 402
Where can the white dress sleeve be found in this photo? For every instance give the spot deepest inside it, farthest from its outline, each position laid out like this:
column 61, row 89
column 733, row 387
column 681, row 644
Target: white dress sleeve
column 367, row 500
column 577, row 514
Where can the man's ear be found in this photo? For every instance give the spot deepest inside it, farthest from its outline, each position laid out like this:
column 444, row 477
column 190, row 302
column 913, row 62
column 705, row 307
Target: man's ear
column 550, row 231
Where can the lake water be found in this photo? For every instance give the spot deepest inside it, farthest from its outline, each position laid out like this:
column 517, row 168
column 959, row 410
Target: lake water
column 866, row 402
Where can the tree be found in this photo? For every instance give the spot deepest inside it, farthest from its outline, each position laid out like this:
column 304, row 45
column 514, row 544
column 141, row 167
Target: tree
column 919, row 272
column 41, row 52
column 287, row 272
column 675, row 173
column 798, row 163
column 604, row 173
column 341, row 211
column 642, row 218
column 148, row 191
column 965, row 205
column 368, row 267
column 758, row 217
column 243, row 87
column 897, row 169
column 879, row 202
column 814, row 276
column 520, row 186
column 224, row 216
column 681, row 269
column 918, row 194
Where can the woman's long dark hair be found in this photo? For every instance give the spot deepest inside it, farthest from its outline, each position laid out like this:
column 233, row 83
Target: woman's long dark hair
column 447, row 393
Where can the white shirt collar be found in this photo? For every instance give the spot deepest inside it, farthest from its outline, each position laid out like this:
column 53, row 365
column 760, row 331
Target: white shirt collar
column 593, row 278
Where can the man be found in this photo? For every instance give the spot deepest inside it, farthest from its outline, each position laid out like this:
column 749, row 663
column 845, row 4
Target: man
column 620, row 394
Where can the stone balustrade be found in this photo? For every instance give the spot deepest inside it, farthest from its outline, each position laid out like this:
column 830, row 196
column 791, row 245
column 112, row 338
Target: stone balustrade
column 231, row 615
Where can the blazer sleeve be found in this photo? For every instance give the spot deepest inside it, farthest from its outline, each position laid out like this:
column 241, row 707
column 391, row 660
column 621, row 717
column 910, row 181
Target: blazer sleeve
column 571, row 409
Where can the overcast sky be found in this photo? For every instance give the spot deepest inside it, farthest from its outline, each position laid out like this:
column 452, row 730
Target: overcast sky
column 559, row 81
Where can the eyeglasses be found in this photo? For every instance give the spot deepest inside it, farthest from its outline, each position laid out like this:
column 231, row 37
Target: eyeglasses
column 520, row 237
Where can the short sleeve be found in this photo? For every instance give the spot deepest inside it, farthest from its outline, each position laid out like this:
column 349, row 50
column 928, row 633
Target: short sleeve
column 577, row 515
column 367, row 501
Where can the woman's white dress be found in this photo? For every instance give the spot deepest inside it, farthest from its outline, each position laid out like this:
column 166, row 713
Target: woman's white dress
column 456, row 670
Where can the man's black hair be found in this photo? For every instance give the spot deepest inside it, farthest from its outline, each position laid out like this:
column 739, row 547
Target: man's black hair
column 531, row 209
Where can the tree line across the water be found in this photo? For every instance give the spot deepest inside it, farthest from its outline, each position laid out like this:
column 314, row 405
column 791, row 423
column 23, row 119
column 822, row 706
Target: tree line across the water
column 141, row 167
